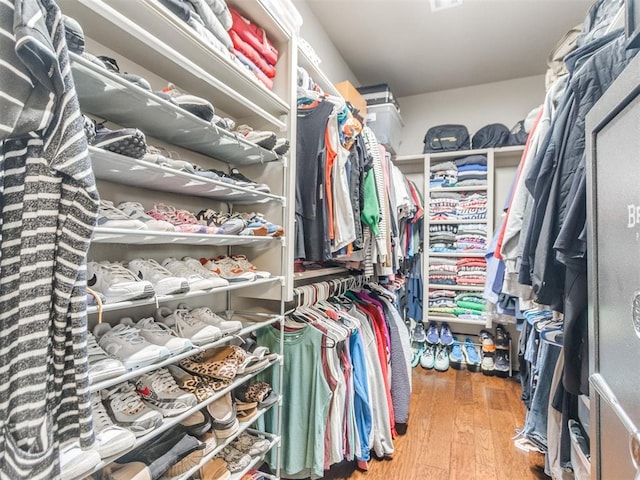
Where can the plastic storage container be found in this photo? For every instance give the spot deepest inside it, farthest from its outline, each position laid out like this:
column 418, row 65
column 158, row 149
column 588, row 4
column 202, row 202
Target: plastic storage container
column 378, row 94
column 387, row 124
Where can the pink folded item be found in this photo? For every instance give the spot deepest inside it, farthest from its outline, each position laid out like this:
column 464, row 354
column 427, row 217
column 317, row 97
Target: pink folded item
column 251, row 53
column 255, row 36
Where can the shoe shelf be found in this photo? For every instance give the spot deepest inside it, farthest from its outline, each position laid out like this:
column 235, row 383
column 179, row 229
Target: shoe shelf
column 173, row 421
column 248, row 327
column 470, row 188
column 108, row 307
column 273, row 440
column 158, row 41
column 457, row 254
column 109, row 96
column 445, row 318
column 140, row 173
column 220, row 446
column 149, row 237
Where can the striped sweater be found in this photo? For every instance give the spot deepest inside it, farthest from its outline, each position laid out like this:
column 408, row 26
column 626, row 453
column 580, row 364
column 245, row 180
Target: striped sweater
column 48, row 211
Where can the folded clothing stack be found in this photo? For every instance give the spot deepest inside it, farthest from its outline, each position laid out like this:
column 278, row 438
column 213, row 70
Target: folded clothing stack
column 471, row 271
column 472, row 206
column 470, row 306
column 471, row 237
column 442, row 271
column 443, row 175
column 442, row 302
column 253, row 49
column 209, row 18
column 442, row 238
column 444, row 205
column 471, row 170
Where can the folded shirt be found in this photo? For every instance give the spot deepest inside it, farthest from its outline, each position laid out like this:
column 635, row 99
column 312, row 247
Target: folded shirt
column 436, row 167
column 470, row 160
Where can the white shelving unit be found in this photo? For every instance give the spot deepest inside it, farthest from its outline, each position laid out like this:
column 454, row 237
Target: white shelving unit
column 496, row 158
column 147, row 39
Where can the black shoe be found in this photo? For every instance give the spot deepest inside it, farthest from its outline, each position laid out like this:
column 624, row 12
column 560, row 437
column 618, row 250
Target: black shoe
column 247, row 182
column 282, row 146
column 74, row 35
column 125, row 141
column 501, row 367
column 111, row 65
column 502, row 338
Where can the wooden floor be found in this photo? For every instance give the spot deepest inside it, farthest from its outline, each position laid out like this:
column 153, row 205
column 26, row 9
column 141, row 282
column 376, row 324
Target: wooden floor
column 460, row 427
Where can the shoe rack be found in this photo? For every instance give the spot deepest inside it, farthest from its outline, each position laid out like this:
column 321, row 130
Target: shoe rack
column 148, row 40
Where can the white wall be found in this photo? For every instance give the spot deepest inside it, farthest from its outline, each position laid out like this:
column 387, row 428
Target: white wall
column 333, row 65
column 501, row 102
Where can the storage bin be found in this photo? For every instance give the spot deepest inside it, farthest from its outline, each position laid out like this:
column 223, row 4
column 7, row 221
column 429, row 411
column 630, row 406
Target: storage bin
column 378, row 94
column 387, row 124
column 579, row 457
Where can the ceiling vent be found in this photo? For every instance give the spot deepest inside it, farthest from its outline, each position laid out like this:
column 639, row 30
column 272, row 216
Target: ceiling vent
column 437, row 5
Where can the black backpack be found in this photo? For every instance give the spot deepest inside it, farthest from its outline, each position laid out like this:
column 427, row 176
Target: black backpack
column 491, row 136
column 446, row 138
column 518, row 135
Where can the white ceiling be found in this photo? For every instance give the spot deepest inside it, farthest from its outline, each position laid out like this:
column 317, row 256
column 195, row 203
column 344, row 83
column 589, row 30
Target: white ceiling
column 404, row 44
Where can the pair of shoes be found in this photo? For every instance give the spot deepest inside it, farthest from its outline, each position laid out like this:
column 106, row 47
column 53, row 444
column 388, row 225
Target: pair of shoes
column 251, row 444
column 418, row 349
column 127, row 409
column 257, row 225
column 112, row 65
column 187, row 325
column 235, row 268
column 117, row 283
column 164, row 282
column 435, row 357
column 125, row 343
column 159, row 390
column 442, row 337
column 195, row 105
column 227, row 224
column 130, row 142
column 198, row 277
column 224, row 414
column 471, row 356
column 236, row 460
column 158, row 333
column 136, row 211
column 76, row 462
column 182, row 220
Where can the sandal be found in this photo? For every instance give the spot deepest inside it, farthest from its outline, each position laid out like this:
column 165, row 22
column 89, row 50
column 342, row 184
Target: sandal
column 255, row 392
column 250, row 444
column 236, row 460
column 216, row 363
column 191, row 383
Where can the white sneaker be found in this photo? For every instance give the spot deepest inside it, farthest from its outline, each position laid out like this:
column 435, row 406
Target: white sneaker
column 159, row 334
column 206, row 315
column 188, row 326
column 164, row 282
column 76, row 462
column 128, row 410
column 195, row 279
column 126, row 344
column 110, row 439
column 110, row 217
column 197, row 267
column 136, row 211
column 230, row 270
column 161, row 392
column 247, row 266
column 101, row 366
column 117, row 283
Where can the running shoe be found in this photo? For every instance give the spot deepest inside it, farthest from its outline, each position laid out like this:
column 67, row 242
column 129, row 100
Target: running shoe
column 229, row 269
column 163, row 281
column 130, row 142
column 101, row 366
column 159, row 334
column 125, row 343
column 264, row 139
column 247, row 266
column 197, row 280
column 111, row 439
column 206, row 315
column 110, row 217
column 197, row 267
column 188, row 326
column 432, row 334
column 136, row 211
column 246, row 182
column 456, row 357
column 116, row 283
column 197, row 106
column 446, row 338
column 159, row 390
column 441, row 362
column 128, row 410
column 471, row 356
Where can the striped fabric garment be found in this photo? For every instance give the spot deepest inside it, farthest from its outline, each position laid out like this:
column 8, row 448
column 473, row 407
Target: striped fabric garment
column 49, row 208
column 373, row 149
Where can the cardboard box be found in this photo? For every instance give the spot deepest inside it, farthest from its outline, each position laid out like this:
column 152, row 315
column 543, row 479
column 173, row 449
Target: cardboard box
column 351, row 95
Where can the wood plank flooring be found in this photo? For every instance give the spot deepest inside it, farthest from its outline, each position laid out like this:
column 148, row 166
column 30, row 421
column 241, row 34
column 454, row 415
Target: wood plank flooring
column 460, row 428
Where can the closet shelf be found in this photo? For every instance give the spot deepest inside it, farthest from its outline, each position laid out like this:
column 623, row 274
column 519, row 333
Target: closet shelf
column 243, row 427
column 160, row 42
column 109, row 96
column 173, row 421
column 444, row 318
column 456, row 222
column 318, row 75
column 141, row 173
column 150, row 237
column 273, row 440
column 248, row 327
column 319, row 272
column 462, row 288
column 500, row 151
column 108, row 307
column 470, row 188
column 457, row 254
